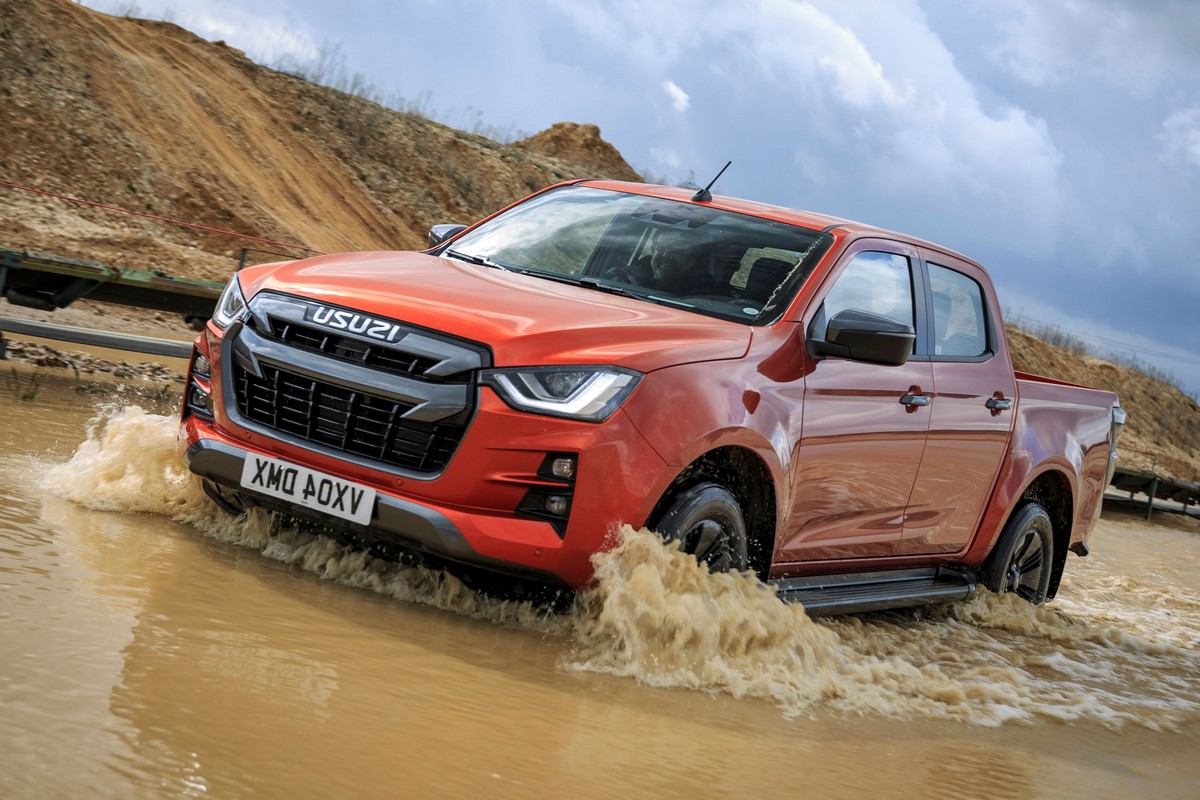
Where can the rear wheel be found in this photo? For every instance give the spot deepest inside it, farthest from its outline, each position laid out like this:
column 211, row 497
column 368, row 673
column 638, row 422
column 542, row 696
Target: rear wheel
column 707, row 521
column 1022, row 561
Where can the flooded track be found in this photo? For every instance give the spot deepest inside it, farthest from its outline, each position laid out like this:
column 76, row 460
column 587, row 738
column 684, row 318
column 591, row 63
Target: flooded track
column 151, row 646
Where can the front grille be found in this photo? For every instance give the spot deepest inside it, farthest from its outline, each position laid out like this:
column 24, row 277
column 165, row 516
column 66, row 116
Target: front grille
column 402, row 401
column 346, row 419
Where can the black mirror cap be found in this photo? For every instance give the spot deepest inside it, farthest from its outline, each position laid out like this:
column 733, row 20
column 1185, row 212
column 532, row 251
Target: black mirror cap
column 863, row 336
column 440, row 233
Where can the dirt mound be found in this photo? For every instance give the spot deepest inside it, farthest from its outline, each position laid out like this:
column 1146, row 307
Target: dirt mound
column 581, row 145
column 1163, row 431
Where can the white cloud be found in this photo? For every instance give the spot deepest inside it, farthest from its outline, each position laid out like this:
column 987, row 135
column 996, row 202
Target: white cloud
column 665, row 157
column 1129, row 43
column 813, row 165
column 267, row 36
column 872, row 96
column 266, row 39
column 679, row 98
column 1180, row 136
column 782, row 36
column 862, row 99
column 798, row 41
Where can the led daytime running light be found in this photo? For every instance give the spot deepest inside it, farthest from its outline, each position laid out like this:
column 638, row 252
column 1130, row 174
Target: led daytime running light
column 586, row 393
column 230, row 305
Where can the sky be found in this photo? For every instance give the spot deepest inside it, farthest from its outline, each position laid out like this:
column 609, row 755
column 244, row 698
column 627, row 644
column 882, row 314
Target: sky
column 1057, row 143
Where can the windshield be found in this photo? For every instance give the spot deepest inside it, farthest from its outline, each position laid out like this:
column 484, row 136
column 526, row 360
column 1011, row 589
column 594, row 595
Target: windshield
column 703, row 259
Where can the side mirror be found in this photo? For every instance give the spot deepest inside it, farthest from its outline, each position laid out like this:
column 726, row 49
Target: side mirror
column 440, row 233
column 862, row 336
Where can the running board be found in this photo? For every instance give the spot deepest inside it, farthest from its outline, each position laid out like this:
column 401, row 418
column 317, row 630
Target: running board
column 872, row 591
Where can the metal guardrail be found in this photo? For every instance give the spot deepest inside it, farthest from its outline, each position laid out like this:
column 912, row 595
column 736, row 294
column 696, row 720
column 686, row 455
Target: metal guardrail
column 1155, row 487
column 47, row 282
column 97, row 338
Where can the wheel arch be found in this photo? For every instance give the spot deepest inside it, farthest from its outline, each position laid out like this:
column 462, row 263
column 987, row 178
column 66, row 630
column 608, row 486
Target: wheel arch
column 1052, row 491
column 746, row 476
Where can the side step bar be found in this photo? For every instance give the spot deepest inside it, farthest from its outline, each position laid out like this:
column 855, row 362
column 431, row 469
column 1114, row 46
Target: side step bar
column 872, row 591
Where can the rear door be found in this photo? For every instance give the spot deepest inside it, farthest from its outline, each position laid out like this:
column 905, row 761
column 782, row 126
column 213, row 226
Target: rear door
column 971, row 415
column 861, row 444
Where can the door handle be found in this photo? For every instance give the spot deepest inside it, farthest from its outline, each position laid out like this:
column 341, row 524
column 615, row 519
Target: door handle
column 915, row 400
column 999, row 403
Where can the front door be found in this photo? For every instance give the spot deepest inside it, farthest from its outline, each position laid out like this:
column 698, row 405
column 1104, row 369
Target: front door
column 861, row 444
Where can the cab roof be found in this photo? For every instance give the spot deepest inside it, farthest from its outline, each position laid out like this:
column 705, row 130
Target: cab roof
column 837, row 226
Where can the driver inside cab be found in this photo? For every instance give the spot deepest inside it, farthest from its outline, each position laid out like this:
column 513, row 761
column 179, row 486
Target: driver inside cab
column 678, row 263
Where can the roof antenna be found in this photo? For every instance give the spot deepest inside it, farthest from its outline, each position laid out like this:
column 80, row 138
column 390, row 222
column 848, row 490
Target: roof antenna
column 704, row 195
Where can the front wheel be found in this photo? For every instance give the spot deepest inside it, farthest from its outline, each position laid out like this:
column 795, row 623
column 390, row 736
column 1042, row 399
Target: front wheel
column 1022, row 560
column 707, row 522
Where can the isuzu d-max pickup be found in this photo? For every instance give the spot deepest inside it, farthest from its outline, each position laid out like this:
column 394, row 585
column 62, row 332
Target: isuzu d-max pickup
column 828, row 404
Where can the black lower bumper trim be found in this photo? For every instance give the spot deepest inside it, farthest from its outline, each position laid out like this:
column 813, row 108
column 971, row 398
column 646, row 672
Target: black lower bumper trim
column 397, row 523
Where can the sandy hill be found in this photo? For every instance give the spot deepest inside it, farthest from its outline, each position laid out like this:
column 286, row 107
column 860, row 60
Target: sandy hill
column 1163, row 432
column 148, row 116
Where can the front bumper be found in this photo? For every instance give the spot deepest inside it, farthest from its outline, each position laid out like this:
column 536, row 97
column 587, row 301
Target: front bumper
column 479, row 504
column 468, row 514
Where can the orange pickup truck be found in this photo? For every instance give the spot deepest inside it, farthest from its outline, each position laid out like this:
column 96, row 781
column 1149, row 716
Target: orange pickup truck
column 825, row 403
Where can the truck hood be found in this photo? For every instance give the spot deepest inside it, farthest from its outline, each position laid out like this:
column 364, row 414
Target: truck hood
column 526, row 320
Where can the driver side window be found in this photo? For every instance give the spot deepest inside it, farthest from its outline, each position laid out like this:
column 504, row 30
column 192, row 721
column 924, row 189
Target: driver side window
column 873, row 281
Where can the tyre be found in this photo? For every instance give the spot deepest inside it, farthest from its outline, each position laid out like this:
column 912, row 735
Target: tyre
column 1023, row 558
column 229, row 501
column 707, row 522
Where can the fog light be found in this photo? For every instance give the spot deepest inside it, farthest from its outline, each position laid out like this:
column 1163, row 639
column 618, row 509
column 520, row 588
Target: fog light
column 201, row 366
column 563, row 468
column 557, row 505
column 199, row 400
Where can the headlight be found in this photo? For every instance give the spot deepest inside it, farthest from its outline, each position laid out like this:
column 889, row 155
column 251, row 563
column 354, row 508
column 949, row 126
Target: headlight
column 229, row 305
column 591, row 394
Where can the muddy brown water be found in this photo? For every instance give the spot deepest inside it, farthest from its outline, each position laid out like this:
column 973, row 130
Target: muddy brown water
column 150, row 646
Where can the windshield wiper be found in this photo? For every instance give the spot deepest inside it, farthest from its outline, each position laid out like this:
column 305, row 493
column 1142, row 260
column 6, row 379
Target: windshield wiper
column 611, row 287
column 667, row 301
column 482, row 261
column 604, row 286
column 577, row 280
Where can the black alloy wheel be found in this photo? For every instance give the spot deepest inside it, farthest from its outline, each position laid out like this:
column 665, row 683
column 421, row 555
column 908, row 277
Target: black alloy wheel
column 1023, row 558
column 707, row 521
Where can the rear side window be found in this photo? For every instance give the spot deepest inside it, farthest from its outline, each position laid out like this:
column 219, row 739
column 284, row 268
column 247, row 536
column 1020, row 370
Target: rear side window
column 959, row 321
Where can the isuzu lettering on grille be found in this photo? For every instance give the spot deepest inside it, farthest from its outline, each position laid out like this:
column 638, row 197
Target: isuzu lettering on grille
column 361, row 324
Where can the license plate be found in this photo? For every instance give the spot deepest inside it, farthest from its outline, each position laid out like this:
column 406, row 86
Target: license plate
column 309, row 488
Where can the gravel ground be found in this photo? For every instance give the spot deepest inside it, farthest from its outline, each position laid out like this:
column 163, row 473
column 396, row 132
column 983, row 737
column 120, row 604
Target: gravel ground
column 86, row 365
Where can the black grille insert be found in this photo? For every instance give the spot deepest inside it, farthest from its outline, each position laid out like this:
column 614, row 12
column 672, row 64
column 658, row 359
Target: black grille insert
column 345, row 419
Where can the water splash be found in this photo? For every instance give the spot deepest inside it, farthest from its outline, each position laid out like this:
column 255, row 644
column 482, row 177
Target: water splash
column 130, row 462
column 657, row 616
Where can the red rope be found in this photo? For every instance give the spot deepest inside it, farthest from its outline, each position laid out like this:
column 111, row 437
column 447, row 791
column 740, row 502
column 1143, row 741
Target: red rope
column 305, row 248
